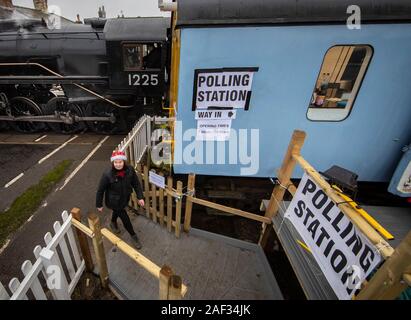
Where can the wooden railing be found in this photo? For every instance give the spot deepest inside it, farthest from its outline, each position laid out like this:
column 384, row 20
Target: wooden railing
column 60, row 285
column 164, row 205
column 171, row 286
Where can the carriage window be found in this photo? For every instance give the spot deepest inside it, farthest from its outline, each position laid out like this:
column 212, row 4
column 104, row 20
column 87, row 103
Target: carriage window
column 338, row 82
column 138, row 56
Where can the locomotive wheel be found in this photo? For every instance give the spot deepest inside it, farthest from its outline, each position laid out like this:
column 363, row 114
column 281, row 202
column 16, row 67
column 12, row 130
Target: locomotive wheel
column 3, row 102
column 62, row 105
column 102, row 109
column 3, row 124
column 21, row 106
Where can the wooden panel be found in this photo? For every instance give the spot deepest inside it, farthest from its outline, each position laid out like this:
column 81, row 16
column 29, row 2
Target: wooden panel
column 169, row 204
column 72, row 241
column 147, row 193
column 36, row 288
column 52, row 263
column 65, row 252
column 14, row 286
column 178, row 210
column 3, row 293
column 161, row 203
column 154, row 201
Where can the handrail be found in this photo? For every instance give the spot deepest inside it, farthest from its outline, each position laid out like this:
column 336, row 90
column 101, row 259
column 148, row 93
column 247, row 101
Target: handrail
column 136, row 256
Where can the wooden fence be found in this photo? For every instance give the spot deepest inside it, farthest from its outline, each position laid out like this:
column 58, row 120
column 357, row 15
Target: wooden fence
column 395, row 273
column 165, row 205
column 61, row 271
column 170, row 285
column 50, row 264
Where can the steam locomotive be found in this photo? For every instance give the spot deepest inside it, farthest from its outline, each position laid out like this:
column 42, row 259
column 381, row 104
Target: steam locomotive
column 102, row 74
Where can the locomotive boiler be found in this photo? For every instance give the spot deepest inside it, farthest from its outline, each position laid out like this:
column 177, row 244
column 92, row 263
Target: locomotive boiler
column 103, row 74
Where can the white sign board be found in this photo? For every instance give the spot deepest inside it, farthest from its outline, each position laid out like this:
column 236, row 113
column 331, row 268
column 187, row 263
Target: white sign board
column 213, row 130
column 215, row 114
column 344, row 254
column 156, row 179
column 404, row 185
column 223, row 88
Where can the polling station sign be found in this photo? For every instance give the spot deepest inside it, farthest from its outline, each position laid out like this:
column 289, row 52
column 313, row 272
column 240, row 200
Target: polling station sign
column 224, row 88
column 344, row 254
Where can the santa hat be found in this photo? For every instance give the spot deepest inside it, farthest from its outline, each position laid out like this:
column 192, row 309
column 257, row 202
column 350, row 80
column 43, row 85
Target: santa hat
column 118, row 155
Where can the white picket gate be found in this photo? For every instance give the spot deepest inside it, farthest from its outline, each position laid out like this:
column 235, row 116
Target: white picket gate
column 50, row 265
column 139, row 139
column 136, row 143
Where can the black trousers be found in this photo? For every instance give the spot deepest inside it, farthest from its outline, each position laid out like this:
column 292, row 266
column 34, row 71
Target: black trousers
column 122, row 214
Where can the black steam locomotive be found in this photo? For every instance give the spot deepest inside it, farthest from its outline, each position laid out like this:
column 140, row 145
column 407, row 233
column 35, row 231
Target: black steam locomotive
column 102, row 74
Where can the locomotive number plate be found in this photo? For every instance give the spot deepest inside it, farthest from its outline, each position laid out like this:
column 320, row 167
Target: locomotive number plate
column 143, row 79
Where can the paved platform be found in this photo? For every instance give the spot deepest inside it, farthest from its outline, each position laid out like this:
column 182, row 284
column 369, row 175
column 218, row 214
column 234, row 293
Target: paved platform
column 211, row 266
column 79, row 192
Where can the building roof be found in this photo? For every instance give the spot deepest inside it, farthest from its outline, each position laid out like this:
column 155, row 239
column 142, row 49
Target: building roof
column 240, row 12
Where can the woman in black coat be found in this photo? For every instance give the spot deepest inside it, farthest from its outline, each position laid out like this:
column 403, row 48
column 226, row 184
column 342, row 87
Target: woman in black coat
column 116, row 186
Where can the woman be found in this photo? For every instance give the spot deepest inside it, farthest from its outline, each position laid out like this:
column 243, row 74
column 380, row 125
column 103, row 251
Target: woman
column 117, row 184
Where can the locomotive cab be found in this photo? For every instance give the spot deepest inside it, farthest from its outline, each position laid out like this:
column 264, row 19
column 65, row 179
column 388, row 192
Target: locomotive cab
column 137, row 54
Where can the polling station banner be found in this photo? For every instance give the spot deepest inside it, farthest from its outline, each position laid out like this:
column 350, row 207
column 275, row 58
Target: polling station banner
column 223, row 88
column 343, row 253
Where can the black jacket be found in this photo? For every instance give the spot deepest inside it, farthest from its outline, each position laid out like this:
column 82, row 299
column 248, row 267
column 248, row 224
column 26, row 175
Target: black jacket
column 117, row 190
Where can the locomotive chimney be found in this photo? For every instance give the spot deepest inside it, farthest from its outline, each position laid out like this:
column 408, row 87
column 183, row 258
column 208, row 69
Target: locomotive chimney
column 40, row 5
column 6, row 3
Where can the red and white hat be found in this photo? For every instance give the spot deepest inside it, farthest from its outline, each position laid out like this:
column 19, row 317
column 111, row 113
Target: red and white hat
column 118, row 155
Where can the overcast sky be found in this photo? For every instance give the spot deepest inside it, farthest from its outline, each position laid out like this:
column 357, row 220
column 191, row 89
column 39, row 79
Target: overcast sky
column 89, row 8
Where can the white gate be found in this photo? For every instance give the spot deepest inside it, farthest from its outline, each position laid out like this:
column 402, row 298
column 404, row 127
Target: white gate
column 53, row 269
column 136, row 143
column 139, row 139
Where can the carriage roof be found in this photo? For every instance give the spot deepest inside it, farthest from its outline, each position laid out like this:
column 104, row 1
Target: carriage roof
column 238, row 12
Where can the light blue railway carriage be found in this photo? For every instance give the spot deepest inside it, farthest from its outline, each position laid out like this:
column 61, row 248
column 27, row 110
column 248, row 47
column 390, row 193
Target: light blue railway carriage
column 339, row 72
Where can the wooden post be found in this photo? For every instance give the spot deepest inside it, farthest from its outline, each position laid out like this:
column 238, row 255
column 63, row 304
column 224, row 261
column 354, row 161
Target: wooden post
column 389, row 281
column 189, row 203
column 175, row 292
column 147, row 192
column 165, row 275
column 178, row 208
column 131, row 153
column 139, row 175
column 154, row 195
column 284, row 175
column 82, row 239
column 169, row 203
column 161, row 203
column 94, row 223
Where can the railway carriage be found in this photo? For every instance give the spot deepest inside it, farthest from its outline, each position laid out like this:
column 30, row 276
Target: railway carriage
column 345, row 84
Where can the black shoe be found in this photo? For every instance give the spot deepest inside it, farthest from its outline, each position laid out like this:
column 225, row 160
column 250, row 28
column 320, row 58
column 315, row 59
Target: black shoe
column 136, row 241
column 114, row 227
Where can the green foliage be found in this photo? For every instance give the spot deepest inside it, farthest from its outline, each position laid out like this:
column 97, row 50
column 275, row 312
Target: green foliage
column 28, row 202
